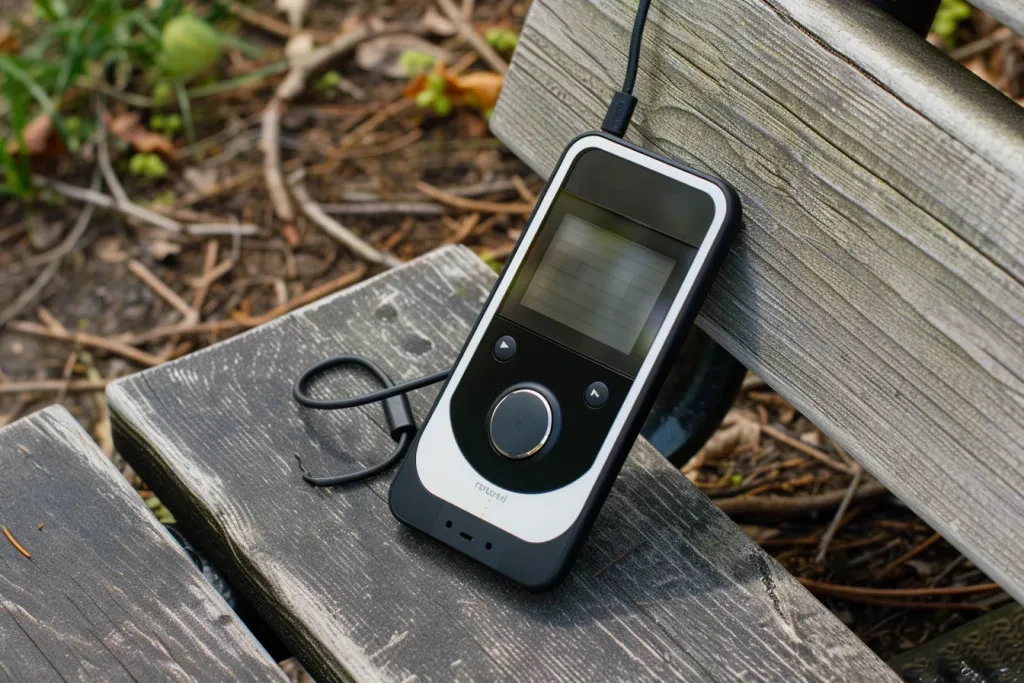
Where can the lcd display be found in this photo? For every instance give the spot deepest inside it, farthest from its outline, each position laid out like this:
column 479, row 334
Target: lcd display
column 598, row 283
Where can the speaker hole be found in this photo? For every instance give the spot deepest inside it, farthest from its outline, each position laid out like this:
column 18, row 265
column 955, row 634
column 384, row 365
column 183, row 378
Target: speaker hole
column 448, row 524
column 488, row 545
column 465, row 536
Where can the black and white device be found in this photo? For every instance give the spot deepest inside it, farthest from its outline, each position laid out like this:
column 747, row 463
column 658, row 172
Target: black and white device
column 556, row 378
column 550, row 391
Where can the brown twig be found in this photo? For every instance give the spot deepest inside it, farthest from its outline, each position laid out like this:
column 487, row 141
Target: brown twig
column 623, row 555
column 289, row 88
column 16, row 545
column 355, row 244
column 246, row 322
column 90, row 340
column 271, row 24
column 466, row 30
column 839, row 591
column 437, row 194
column 29, row 294
column 466, row 228
column 968, row 50
column 382, row 208
column 498, row 253
column 779, row 506
column 65, row 376
column 140, row 271
column 929, row 542
column 826, row 538
column 103, row 201
column 525, row 193
column 312, row 295
column 806, row 449
column 46, row 386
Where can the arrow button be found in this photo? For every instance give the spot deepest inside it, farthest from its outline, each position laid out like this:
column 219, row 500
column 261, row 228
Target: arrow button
column 504, row 348
column 596, row 395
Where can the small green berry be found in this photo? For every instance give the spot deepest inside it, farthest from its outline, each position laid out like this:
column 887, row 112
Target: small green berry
column 137, row 163
column 188, row 45
column 436, row 82
column 425, row 98
column 172, row 123
column 162, row 93
column 154, row 167
column 442, row 105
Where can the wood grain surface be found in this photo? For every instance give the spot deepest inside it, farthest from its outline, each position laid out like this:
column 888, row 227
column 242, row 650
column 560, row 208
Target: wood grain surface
column 878, row 283
column 1010, row 12
column 667, row 587
column 107, row 595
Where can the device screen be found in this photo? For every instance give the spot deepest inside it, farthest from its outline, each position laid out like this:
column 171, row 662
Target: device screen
column 598, row 282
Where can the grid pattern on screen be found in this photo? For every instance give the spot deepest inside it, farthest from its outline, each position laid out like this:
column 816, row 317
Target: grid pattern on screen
column 598, row 283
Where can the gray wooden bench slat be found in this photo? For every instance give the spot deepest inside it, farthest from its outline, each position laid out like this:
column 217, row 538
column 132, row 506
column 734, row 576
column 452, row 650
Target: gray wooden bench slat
column 667, row 586
column 1010, row 12
column 106, row 595
column 878, row 283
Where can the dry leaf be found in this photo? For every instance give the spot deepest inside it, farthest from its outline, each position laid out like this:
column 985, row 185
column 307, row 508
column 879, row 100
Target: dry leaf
column 479, row 90
column 295, row 9
column 9, row 43
column 381, row 55
column 434, row 22
column 127, row 127
column 485, row 85
column 42, row 141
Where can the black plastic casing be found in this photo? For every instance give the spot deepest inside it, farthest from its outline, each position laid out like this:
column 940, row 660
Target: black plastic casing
column 540, row 566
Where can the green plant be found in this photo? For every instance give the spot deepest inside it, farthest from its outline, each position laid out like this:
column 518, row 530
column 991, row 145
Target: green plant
column 328, row 82
column 169, row 124
column 501, row 39
column 147, row 165
column 415, row 62
column 948, row 18
column 84, row 43
column 434, row 95
column 188, row 46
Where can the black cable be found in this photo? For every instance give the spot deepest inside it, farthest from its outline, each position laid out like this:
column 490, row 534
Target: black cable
column 634, row 46
column 401, row 422
column 620, row 110
column 397, row 411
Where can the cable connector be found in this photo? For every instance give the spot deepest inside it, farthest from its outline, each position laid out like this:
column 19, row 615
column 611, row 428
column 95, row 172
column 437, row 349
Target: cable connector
column 620, row 111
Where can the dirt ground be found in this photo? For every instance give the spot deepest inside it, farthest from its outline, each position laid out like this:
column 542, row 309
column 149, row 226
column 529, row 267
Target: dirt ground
column 404, row 179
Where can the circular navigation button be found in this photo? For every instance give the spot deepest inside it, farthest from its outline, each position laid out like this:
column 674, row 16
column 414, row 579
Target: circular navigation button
column 596, row 395
column 505, row 348
column 520, row 424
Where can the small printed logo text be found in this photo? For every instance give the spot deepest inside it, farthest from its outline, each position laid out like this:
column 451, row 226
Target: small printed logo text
column 500, row 497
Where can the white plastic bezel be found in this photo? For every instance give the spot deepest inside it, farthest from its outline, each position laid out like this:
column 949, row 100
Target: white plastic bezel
column 541, row 517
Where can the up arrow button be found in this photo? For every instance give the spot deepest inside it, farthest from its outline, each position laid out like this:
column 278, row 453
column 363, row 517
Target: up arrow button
column 504, row 348
column 596, row 395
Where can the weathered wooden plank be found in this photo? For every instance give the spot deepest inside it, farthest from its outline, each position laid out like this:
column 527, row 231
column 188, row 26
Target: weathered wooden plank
column 106, row 595
column 667, row 587
column 878, row 283
column 1010, row 12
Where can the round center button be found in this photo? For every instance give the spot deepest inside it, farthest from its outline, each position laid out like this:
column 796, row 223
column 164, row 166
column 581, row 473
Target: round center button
column 520, row 424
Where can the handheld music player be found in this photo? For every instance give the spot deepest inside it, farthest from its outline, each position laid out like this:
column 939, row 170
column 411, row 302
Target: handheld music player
column 543, row 404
